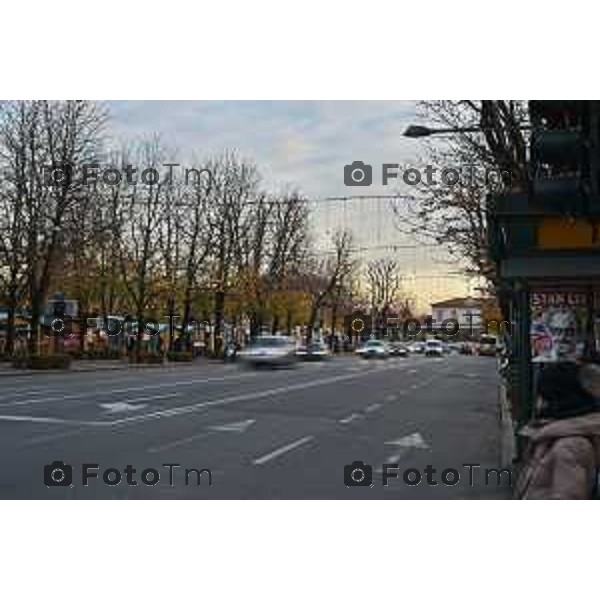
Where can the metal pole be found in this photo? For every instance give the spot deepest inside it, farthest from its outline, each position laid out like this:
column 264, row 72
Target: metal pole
column 525, row 391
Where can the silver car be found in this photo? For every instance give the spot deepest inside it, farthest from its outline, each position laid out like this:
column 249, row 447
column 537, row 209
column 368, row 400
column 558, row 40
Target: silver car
column 269, row 350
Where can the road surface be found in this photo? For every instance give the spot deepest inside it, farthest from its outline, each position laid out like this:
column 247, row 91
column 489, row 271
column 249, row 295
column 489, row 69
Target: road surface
column 285, row 433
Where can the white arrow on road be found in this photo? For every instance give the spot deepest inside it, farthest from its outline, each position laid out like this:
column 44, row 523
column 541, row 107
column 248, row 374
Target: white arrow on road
column 117, row 407
column 237, row 427
column 414, row 440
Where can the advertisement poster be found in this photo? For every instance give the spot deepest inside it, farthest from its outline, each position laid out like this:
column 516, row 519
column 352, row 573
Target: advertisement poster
column 558, row 325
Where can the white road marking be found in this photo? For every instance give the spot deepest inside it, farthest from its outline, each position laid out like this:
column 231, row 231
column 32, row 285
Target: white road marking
column 190, row 408
column 413, row 440
column 181, row 442
column 267, row 457
column 411, row 371
column 33, row 419
column 117, row 407
column 25, row 392
column 125, row 390
column 391, row 397
column 373, row 407
column 349, row 419
column 44, row 439
column 393, row 459
column 181, row 410
column 238, row 427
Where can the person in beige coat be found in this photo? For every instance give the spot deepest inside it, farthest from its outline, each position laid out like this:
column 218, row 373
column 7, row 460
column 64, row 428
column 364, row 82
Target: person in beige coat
column 563, row 445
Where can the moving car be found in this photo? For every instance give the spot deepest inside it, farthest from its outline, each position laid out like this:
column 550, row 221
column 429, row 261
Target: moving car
column 434, row 348
column 488, row 345
column 269, row 350
column 398, row 349
column 373, row 349
column 313, row 351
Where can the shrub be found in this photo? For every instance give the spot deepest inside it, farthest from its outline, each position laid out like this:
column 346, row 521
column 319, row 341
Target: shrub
column 50, row 361
column 180, row 356
column 102, row 354
column 147, row 358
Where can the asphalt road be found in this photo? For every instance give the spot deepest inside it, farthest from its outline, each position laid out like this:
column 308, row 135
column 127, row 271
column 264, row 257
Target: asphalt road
column 285, row 433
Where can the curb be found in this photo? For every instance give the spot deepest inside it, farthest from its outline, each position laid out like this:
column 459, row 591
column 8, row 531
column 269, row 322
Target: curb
column 508, row 446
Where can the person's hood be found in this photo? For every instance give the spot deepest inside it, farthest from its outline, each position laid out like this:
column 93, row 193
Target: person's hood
column 590, row 379
column 585, row 426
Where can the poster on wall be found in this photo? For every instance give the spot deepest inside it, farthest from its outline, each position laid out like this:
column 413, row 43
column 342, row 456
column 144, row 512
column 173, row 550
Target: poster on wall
column 559, row 323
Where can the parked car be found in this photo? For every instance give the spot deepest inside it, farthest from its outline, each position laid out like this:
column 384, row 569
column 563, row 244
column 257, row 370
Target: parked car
column 398, row 349
column 313, row 351
column 434, row 348
column 269, row 350
column 488, row 345
column 373, row 349
column 417, row 347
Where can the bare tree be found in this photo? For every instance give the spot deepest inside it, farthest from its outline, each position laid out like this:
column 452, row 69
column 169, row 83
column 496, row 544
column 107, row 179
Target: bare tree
column 383, row 279
column 233, row 192
column 35, row 137
column 140, row 215
column 326, row 274
column 454, row 216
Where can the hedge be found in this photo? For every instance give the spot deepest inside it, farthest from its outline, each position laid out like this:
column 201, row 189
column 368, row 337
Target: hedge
column 180, row 356
column 50, row 361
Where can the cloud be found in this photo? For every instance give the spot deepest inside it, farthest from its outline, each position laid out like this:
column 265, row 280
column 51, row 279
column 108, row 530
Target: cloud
column 299, row 144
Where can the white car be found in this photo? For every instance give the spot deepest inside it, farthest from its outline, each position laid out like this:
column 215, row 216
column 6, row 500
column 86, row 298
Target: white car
column 271, row 350
column 373, row 349
column 434, row 348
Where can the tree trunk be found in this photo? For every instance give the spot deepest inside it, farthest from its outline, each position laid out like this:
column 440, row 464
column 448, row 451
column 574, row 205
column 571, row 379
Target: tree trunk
column 219, row 317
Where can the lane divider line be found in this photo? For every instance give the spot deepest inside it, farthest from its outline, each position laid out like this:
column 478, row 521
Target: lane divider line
column 283, row 450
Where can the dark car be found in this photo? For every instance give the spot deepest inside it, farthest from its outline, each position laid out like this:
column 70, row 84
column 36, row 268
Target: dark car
column 398, row 349
column 313, row 351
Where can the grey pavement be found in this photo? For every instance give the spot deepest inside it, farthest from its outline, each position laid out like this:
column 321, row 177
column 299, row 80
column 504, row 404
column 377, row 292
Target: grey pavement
column 284, row 433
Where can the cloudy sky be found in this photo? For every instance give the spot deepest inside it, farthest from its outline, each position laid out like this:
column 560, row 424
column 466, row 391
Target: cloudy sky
column 305, row 145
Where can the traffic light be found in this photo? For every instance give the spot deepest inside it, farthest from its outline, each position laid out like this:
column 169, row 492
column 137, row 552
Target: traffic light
column 564, row 156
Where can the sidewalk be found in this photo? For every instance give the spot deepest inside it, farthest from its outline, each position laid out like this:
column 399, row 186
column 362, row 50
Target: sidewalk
column 83, row 366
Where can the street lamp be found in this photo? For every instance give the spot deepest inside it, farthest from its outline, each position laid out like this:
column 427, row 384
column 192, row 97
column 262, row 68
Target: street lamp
column 417, row 131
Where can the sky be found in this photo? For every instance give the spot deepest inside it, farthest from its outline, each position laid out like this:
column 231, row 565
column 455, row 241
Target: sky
column 305, row 145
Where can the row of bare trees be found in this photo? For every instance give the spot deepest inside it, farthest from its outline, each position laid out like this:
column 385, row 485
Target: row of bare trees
column 211, row 244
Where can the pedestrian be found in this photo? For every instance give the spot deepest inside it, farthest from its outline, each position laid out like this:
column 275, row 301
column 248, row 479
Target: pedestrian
column 563, row 452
